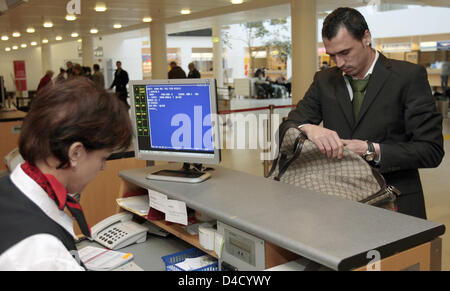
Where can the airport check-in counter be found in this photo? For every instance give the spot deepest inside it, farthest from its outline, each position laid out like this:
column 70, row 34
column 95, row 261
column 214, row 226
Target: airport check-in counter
column 268, row 223
column 10, row 126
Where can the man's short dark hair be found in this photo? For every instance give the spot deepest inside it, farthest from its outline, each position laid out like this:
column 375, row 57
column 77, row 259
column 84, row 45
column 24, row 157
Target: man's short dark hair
column 96, row 67
column 350, row 18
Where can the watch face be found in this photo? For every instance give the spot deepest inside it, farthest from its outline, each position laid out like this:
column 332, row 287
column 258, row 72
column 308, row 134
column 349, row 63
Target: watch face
column 369, row 157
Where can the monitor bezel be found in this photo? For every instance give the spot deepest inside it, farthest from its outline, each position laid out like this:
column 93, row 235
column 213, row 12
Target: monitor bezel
column 178, row 156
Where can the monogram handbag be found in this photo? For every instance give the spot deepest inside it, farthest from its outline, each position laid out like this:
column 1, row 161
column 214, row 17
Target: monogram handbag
column 299, row 162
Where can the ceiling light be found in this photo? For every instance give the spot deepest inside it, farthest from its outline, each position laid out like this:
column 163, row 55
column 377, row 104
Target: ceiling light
column 93, row 30
column 100, row 7
column 79, row 40
column 24, row 45
column 237, row 1
column 185, row 11
column 147, row 19
column 31, row 30
column 16, row 34
column 48, row 24
column 58, row 38
column 75, row 34
column 5, row 37
column 33, row 43
column 8, row 49
column 71, row 17
column 45, row 40
column 15, row 47
column 117, row 26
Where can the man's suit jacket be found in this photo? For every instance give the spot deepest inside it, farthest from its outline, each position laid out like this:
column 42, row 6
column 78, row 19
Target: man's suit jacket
column 120, row 81
column 398, row 112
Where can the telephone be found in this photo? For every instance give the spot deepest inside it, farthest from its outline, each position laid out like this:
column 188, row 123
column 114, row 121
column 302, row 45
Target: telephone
column 119, row 231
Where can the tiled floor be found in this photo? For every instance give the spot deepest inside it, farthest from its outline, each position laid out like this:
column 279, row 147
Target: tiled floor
column 435, row 184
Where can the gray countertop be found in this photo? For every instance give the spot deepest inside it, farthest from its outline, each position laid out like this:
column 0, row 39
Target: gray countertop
column 332, row 231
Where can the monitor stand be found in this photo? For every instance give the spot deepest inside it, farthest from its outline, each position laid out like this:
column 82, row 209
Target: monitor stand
column 186, row 174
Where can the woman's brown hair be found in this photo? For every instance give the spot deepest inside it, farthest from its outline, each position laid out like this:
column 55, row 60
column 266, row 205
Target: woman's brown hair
column 73, row 111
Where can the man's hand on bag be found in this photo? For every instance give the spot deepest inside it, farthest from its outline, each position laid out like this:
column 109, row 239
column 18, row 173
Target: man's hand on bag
column 326, row 140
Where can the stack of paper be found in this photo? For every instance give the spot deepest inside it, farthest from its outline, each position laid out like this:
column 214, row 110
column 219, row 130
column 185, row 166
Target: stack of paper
column 190, row 264
column 98, row 259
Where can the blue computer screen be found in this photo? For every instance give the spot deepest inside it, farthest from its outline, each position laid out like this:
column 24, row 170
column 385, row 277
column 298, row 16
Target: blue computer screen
column 178, row 117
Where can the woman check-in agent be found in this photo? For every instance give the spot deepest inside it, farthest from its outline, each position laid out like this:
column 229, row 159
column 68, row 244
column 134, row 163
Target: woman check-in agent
column 70, row 131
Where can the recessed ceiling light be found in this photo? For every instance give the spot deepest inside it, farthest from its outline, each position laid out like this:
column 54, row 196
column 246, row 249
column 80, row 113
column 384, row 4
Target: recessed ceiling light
column 117, row 25
column 24, row 45
column 45, row 40
column 100, row 7
column 237, row 1
column 147, row 19
column 75, row 34
column 71, row 17
column 48, row 24
column 185, row 11
column 8, row 49
column 93, row 30
column 15, row 47
column 16, row 34
column 31, row 30
column 58, row 38
column 33, row 43
column 5, row 37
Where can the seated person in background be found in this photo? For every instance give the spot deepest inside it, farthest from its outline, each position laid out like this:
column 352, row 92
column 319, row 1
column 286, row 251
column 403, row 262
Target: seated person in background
column 264, row 87
column 281, row 80
column 257, row 73
column 176, row 72
column 70, row 131
column 324, row 66
column 46, row 80
column 193, row 72
column 278, row 90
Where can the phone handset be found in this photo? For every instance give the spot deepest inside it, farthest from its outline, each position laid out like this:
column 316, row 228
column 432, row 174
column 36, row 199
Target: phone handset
column 118, row 231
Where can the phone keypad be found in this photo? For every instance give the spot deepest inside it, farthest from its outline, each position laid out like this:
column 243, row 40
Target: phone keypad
column 113, row 235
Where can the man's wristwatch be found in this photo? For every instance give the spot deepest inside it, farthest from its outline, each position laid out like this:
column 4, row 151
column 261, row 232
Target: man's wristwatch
column 370, row 154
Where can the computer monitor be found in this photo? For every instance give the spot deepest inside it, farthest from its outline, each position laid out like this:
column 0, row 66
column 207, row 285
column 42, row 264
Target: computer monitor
column 176, row 120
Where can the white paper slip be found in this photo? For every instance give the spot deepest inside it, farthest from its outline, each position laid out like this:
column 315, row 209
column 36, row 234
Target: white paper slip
column 157, row 200
column 218, row 246
column 98, row 259
column 206, row 237
column 176, row 212
column 135, row 204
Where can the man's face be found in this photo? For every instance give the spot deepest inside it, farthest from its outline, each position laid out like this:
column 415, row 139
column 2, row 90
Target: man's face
column 119, row 65
column 352, row 56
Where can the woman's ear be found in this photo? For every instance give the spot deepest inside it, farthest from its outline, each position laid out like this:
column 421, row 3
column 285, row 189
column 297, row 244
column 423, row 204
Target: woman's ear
column 76, row 152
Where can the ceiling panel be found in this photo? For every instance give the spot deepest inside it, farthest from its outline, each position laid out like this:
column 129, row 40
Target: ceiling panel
column 129, row 14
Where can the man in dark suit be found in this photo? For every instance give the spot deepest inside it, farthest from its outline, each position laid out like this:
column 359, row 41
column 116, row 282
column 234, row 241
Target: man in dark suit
column 120, row 82
column 379, row 108
column 176, row 72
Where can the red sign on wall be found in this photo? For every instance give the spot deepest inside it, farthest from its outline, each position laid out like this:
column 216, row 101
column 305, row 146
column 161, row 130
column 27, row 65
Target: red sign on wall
column 20, row 74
